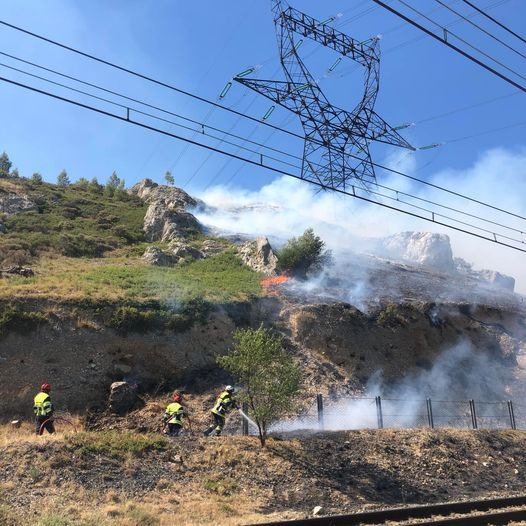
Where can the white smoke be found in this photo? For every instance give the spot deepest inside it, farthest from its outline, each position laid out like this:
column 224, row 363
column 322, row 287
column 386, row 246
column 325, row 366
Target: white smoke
column 287, row 207
column 459, row 374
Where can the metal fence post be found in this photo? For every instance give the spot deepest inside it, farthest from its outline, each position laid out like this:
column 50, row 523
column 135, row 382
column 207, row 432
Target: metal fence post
column 319, row 401
column 430, row 413
column 473, row 414
column 379, row 412
column 512, row 415
column 244, row 421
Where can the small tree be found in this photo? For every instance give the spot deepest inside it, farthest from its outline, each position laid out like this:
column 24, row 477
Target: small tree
column 169, row 178
column 5, row 165
column 114, row 187
column 36, row 178
column 270, row 378
column 95, row 187
column 303, row 254
column 15, row 173
column 63, row 179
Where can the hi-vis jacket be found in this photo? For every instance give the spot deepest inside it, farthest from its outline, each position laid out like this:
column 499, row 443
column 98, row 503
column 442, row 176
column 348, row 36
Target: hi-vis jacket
column 42, row 405
column 224, row 404
column 174, row 413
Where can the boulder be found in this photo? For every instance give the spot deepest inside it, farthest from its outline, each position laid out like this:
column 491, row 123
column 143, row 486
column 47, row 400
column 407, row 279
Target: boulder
column 258, row 255
column 123, row 397
column 155, row 256
column 183, row 252
column 423, row 248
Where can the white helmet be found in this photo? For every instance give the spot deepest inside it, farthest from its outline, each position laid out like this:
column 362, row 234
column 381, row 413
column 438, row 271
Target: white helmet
column 229, row 388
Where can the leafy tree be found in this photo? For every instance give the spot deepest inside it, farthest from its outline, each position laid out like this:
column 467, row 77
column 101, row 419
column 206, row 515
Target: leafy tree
column 303, row 254
column 5, row 165
column 63, row 179
column 169, row 178
column 95, row 186
column 15, row 173
column 270, row 378
column 82, row 183
column 114, row 187
column 36, row 178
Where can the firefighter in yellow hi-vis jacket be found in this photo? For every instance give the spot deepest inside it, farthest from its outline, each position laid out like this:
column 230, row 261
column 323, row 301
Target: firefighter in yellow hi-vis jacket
column 43, row 409
column 173, row 416
column 224, row 404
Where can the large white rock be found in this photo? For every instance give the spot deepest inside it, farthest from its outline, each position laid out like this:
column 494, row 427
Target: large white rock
column 166, row 218
column 258, row 255
column 423, row 248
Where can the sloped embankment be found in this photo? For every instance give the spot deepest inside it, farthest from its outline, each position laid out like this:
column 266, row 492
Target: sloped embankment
column 231, row 480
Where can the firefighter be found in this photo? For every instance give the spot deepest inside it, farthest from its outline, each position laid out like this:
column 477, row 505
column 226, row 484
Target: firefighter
column 224, row 404
column 43, row 409
column 173, row 416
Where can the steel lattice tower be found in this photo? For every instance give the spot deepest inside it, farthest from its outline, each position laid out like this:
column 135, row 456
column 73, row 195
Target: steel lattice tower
column 336, row 151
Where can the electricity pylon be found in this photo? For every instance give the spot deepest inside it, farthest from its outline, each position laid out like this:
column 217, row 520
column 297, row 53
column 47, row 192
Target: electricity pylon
column 336, row 151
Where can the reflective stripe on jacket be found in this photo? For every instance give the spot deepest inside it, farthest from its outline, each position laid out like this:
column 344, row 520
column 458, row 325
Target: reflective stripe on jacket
column 42, row 405
column 174, row 413
column 224, row 404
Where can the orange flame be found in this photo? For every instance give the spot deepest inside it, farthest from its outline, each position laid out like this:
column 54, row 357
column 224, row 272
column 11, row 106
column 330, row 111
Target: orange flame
column 274, row 281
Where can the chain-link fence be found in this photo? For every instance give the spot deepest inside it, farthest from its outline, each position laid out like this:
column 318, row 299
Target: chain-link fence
column 378, row 412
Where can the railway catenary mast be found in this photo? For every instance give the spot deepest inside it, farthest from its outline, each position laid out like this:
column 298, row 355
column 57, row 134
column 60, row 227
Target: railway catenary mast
column 336, row 151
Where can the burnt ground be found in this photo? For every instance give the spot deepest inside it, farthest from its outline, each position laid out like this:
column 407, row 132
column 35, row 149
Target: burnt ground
column 232, row 480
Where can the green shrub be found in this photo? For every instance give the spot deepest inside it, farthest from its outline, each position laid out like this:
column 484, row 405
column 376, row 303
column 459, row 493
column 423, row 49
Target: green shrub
column 221, row 486
column 131, row 319
column 303, row 254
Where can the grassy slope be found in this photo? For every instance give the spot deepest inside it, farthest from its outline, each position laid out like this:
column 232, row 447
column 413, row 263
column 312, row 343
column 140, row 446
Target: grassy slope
column 85, row 245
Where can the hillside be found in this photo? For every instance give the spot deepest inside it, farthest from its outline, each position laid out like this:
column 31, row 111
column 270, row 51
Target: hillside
column 98, row 286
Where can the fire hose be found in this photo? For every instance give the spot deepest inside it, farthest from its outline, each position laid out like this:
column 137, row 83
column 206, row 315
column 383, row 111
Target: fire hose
column 56, row 419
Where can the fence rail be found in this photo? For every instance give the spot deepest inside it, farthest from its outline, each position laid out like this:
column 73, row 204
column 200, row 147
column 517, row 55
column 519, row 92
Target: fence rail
column 378, row 412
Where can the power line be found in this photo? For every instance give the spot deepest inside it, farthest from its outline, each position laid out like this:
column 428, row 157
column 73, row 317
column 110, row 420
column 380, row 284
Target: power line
column 134, row 73
column 447, row 33
column 203, row 131
column 480, row 28
column 452, row 46
column 483, row 13
column 486, row 234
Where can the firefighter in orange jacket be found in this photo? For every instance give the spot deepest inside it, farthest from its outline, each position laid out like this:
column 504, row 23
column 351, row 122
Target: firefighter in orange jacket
column 43, row 409
column 224, row 404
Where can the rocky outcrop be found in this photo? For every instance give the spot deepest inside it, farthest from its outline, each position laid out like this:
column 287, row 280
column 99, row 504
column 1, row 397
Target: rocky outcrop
column 497, row 279
column 258, row 255
column 423, row 248
column 11, row 203
column 155, row 256
column 166, row 218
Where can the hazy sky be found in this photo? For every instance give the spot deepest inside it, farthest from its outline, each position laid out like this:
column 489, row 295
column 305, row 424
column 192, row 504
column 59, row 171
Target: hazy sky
column 199, row 46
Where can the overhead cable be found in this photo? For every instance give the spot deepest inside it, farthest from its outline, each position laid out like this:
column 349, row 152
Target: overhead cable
column 486, row 32
column 452, row 46
column 134, row 73
column 434, row 217
column 483, row 13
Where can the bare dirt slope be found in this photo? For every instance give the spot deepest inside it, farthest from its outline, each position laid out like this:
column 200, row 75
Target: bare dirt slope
column 102, row 478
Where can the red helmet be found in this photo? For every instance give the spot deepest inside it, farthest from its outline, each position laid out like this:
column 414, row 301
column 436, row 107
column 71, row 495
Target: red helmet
column 45, row 387
column 177, row 397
